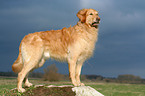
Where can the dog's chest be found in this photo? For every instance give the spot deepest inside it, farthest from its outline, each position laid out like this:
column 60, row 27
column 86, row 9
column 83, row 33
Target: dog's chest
column 87, row 48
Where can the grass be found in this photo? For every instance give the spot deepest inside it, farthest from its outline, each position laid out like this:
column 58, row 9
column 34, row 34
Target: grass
column 120, row 89
column 108, row 89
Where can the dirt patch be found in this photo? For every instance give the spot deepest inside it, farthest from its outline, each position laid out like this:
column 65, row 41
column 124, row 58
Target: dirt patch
column 45, row 91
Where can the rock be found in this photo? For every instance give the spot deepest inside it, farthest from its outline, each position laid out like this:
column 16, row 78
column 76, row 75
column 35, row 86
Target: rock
column 86, row 91
column 64, row 90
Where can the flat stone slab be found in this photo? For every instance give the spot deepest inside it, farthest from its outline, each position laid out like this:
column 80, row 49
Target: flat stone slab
column 86, row 91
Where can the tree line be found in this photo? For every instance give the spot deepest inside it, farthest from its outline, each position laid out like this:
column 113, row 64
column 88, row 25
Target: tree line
column 51, row 74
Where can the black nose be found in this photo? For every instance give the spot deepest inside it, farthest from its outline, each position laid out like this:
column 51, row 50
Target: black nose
column 97, row 19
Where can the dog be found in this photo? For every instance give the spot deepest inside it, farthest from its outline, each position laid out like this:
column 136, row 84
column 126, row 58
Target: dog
column 74, row 45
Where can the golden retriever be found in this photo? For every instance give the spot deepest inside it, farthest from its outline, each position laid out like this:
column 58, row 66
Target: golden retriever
column 74, row 45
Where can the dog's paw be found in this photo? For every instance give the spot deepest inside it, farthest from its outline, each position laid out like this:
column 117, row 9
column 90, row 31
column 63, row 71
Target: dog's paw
column 81, row 84
column 75, row 83
column 21, row 90
column 28, row 84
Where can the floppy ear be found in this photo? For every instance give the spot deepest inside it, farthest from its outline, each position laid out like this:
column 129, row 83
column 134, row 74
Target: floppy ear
column 82, row 15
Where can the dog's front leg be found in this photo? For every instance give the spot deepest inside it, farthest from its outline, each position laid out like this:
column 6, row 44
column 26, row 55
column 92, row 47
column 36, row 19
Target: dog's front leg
column 72, row 70
column 78, row 72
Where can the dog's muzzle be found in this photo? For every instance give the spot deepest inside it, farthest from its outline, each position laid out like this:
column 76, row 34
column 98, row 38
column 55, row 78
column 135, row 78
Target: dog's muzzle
column 96, row 23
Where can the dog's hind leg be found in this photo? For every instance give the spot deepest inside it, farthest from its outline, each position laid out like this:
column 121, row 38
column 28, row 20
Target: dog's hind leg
column 26, row 81
column 32, row 56
column 25, row 70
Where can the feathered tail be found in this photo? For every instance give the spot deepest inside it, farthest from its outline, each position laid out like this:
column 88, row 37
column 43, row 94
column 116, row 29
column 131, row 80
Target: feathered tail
column 18, row 64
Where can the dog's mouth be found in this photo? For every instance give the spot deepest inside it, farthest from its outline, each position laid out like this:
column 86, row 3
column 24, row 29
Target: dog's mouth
column 95, row 24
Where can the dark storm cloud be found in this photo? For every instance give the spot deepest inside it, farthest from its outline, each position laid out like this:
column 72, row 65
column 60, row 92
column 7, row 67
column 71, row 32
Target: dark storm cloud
column 120, row 48
column 18, row 18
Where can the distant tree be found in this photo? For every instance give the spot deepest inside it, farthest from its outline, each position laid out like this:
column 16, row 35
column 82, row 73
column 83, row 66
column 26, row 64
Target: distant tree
column 128, row 78
column 9, row 74
column 51, row 73
column 83, row 77
column 36, row 75
column 94, row 77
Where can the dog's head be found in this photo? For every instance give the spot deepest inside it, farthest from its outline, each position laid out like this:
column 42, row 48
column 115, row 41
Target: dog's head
column 89, row 16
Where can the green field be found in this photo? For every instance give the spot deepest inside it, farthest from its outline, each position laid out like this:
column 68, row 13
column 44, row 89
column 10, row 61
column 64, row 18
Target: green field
column 108, row 89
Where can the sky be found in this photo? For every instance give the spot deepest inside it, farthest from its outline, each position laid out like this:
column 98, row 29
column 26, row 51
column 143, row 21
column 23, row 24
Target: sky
column 121, row 43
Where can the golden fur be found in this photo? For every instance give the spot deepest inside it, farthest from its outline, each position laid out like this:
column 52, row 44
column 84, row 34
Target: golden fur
column 74, row 45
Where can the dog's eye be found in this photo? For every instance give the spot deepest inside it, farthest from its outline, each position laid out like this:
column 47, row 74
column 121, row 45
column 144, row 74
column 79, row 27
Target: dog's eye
column 91, row 13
